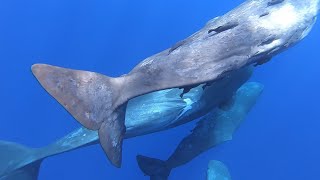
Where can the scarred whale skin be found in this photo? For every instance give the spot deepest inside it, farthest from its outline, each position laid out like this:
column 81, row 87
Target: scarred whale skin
column 252, row 33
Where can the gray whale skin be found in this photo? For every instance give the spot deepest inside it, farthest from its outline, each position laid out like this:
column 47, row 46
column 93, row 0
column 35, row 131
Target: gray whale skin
column 250, row 34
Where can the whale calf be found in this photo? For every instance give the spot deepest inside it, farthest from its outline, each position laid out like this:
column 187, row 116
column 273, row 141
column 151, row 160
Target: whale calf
column 250, row 34
column 212, row 129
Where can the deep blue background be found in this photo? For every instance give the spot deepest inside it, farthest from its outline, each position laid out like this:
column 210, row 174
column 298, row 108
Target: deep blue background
column 279, row 140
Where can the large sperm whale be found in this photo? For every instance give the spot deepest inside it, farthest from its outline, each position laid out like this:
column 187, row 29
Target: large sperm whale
column 145, row 114
column 214, row 128
column 250, row 34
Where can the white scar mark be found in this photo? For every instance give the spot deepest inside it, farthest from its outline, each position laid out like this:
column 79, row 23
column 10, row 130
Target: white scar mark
column 188, row 107
column 283, row 18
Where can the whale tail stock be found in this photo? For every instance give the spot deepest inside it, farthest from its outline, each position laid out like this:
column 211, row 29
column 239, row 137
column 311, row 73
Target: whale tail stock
column 92, row 99
column 155, row 168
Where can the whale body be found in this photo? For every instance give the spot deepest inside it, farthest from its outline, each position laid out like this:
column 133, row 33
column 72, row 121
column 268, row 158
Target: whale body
column 250, row 34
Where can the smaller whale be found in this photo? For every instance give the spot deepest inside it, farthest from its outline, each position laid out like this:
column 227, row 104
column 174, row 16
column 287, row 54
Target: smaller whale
column 217, row 171
column 213, row 129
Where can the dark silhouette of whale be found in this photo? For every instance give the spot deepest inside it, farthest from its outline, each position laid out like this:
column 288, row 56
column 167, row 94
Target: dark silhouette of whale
column 250, row 34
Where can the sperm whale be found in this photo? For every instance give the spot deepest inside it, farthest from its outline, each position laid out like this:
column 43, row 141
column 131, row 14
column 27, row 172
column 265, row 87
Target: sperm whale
column 250, row 34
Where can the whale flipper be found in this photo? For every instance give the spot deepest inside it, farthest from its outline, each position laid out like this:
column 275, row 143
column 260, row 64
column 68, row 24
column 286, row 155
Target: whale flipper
column 18, row 162
column 155, row 168
column 92, row 99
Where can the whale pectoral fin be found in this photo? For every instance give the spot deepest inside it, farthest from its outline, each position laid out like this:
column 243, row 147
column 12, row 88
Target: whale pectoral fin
column 111, row 134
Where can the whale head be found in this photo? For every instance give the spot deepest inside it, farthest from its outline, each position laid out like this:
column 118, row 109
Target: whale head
column 309, row 9
column 289, row 21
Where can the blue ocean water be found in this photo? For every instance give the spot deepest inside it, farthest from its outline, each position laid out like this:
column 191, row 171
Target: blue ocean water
column 279, row 140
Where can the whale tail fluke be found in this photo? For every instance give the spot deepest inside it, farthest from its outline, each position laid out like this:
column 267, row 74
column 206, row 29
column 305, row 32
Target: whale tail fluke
column 155, row 168
column 18, row 162
column 92, row 99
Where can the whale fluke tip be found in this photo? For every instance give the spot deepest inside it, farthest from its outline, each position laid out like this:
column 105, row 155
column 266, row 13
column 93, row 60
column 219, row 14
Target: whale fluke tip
column 36, row 68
